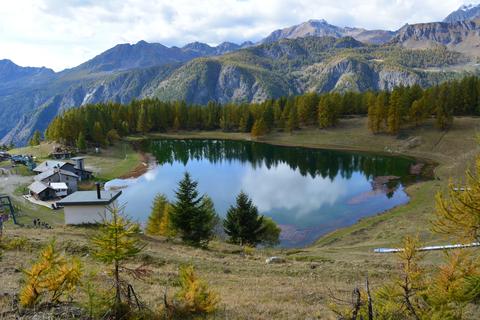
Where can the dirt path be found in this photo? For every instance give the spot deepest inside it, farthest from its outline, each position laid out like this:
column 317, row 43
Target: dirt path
column 9, row 182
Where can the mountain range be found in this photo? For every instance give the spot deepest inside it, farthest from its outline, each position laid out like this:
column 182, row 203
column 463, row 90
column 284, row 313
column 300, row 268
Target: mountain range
column 312, row 56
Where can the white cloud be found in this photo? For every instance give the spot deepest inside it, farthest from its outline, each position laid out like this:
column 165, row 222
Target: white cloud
column 282, row 188
column 64, row 33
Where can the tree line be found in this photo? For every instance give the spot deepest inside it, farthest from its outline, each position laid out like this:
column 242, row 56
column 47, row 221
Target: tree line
column 387, row 112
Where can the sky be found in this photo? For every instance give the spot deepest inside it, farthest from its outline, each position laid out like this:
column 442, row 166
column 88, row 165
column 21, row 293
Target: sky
column 62, row 34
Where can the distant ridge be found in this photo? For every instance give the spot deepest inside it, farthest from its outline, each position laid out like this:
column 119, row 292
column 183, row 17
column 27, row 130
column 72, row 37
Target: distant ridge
column 465, row 12
column 143, row 55
column 313, row 56
column 321, row 28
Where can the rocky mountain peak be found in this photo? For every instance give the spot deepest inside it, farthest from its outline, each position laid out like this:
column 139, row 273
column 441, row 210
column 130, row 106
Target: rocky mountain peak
column 465, row 12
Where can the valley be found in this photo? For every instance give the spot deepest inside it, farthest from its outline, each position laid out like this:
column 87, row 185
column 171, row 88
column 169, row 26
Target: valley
column 302, row 286
column 238, row 160
column 313, row 56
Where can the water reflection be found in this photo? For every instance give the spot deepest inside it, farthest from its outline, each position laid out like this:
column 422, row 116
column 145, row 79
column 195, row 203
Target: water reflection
column 308, row 192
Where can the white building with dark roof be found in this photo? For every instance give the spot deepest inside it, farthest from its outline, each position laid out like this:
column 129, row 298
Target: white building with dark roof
column 87, row 207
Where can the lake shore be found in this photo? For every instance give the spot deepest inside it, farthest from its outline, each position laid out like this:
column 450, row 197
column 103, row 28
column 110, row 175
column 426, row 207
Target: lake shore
column 440, row 150
column 300, row 288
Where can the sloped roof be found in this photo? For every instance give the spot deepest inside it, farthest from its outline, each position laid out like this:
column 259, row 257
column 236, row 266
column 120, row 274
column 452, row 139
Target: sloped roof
column 48, row 165
column 58, row 185
column 81, row 198
column 47, row 174
column 38, row 187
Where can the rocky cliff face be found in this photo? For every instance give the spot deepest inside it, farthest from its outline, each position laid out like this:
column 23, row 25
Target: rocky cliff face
column 313, row 56
column 353, row 74
column 462, row 36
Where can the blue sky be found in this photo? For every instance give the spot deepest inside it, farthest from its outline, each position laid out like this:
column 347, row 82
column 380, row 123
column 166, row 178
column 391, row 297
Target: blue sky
column 64, row 33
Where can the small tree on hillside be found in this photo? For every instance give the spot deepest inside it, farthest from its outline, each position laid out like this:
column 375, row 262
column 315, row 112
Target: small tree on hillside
column 259, row 128
column 393, row 114
column 270, row 235
column 36, row 139
column 189, row 215
column 243, row 224
column 143, row 124
column 413, row 294
column 418, row 112
column 53, row 275
column 195, row 294
column 166, row 226
column 327, row 115
column 159, row 222
column 292, row 121
column 116, row 242
column 97, row 133
column 458, row 212
column 81, row 142
column 156, row 215
column 112, row 136
column 443, row 114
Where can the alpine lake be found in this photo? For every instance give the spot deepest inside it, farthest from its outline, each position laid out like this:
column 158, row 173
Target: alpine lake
column 307, row 192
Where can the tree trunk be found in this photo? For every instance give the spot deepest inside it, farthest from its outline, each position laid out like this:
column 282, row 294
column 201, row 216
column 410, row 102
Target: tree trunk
column 118, row 298
column 369, row 298
column 357, row 303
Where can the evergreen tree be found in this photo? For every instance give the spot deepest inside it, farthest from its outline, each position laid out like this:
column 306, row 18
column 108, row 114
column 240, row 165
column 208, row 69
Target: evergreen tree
column 292, row 122
column 393, row 117
column 176, row 124
column 181, row 111
column 246, row 122
column 307, row 108
column 377, row 113
column 116, row 242
column 327, row 115
column 189, row 215
column 417, row 112
column 279, row 121
column 36, row 139
column 112, row 136
column 81, row 142
column 243, row 224
column 443, row 114
column 98, row 135
column 143, row 123
column 372, row 114
column 268, row 116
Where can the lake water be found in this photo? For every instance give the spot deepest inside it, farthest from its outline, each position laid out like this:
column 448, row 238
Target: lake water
column 308, row 192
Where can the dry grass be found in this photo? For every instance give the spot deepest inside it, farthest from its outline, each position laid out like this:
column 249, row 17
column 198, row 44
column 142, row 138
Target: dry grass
column 299, row 289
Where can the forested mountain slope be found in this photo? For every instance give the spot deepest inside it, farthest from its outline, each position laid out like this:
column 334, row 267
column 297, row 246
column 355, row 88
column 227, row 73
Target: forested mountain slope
column 280, row 66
